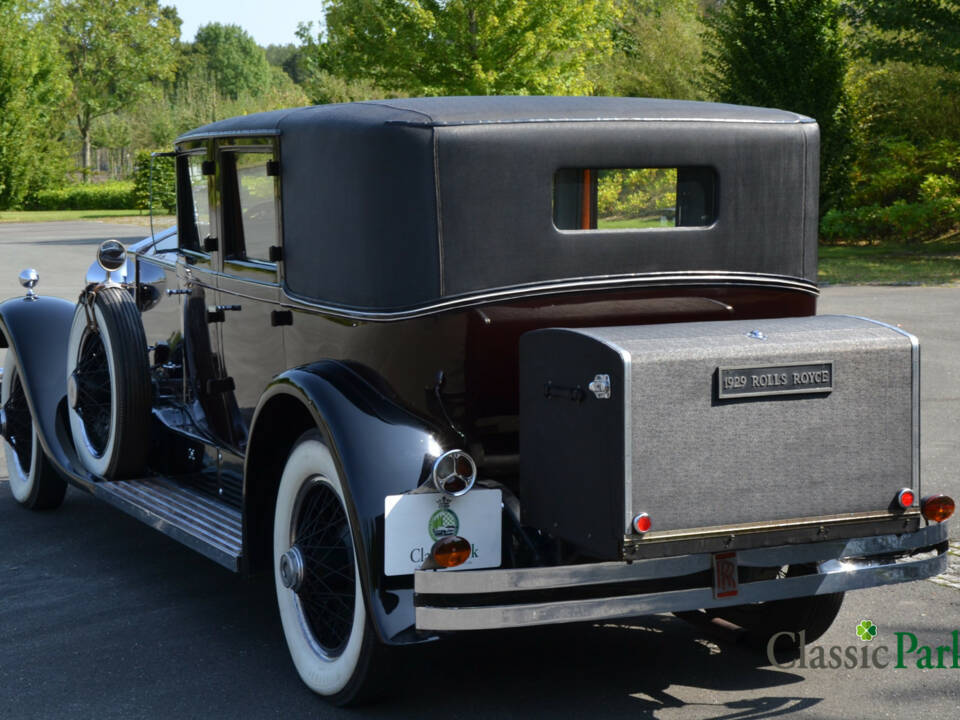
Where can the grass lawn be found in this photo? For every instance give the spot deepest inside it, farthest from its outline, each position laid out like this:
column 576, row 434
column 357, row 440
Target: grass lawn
column 126, row 217
column 935, row 262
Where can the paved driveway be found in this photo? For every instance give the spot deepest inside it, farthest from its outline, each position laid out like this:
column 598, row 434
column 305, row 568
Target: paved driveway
column 100, row 616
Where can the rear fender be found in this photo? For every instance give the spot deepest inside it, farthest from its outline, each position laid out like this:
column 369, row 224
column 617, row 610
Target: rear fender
column 37, row 330
column 380, row 449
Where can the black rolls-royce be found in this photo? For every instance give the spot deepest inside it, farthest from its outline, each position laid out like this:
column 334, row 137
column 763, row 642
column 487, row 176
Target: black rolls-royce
column 455, row 364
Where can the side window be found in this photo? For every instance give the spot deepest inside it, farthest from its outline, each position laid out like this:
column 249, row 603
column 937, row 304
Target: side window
column 250, row 205
column 194, row 220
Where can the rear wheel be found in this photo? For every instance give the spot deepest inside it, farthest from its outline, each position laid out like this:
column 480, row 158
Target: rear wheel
column 108, row 384
column 34, row 482
column 319, row 593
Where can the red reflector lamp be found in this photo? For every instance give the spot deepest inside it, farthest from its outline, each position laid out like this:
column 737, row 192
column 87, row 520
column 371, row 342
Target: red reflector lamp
column 642, row 523
column 905, row 498
column 937, row 508
column 451, row 551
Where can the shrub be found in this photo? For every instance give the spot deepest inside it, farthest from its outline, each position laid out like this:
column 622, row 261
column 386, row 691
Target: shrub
column 893, row 170
column 164, row 188
column 901, row 221
column 102, row 196
column 939, row 186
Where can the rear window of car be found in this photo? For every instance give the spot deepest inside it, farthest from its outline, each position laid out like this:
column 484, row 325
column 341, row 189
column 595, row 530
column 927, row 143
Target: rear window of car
column 634, row 198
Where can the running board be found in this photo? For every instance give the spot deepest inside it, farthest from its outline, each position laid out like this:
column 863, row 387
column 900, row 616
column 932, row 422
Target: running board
column 197, row 520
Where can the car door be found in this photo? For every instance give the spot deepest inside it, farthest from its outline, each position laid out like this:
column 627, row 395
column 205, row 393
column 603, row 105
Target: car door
column 248, row 317
column 196, row 269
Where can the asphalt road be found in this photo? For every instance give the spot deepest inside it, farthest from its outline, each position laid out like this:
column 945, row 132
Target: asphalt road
column 102, row 617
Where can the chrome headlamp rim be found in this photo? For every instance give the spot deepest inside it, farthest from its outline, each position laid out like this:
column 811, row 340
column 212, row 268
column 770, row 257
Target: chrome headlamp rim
column 447, row 473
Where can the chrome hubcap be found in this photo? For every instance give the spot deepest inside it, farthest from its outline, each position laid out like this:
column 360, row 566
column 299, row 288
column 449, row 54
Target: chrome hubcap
column 291, row 568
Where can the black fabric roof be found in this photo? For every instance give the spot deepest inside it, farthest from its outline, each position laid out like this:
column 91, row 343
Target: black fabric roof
column 398, row 204
column 447, row 111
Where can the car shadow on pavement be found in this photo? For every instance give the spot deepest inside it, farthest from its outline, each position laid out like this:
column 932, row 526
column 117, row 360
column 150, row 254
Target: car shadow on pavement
column 127, row 623
column 624, row 669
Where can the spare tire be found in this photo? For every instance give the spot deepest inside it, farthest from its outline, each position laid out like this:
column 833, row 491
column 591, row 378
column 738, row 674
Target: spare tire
column 108, row 384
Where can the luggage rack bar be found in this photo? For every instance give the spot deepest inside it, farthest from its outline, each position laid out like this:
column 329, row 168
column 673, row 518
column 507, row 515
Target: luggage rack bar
column 199, row 521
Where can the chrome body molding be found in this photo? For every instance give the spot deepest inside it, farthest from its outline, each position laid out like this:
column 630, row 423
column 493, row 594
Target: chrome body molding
column 649, row 280
column 843, row 565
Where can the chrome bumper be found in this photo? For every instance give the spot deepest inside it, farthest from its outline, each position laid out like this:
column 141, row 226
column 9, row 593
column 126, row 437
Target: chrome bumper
column 487, row 599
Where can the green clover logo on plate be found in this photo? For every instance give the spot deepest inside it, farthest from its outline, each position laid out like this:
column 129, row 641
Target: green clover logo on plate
column 866, row 630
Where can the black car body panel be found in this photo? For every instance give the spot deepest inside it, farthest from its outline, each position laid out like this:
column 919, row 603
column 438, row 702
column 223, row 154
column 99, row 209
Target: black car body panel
column 36, row 330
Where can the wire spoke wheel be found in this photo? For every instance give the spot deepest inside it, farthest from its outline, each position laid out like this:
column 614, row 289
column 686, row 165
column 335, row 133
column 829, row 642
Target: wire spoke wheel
column 93, row 403
column 34, row 482
column 319, row 593
column 327, row 593
column 19, row 424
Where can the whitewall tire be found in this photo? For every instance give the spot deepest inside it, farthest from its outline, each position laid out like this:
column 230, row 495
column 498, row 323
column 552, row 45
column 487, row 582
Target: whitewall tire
column 108, row 385
column 34, row 482
column 317, row 579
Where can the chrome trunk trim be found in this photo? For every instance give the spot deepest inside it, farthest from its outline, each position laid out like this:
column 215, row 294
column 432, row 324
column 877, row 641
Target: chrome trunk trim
column 827, row 521
column 796, row 531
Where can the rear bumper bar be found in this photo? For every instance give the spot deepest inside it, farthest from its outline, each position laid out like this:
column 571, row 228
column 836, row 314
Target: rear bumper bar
column 487, row 599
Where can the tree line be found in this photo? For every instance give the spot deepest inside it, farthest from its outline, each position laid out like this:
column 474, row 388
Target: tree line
column 81, row 78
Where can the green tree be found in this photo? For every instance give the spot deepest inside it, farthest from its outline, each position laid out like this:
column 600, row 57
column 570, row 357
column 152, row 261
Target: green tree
column 471, row 47
column 926, row 32
column 287, row 57
column 787, row 54
column 33, row 82
column 234, row 60
column 116, row 50
column 657, row 50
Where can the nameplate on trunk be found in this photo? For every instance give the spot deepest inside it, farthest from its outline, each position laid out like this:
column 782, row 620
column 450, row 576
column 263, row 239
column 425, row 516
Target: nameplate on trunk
column 788, row 379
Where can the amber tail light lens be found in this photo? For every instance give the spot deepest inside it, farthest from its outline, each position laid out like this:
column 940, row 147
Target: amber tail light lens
column 451, row 551
column 937, row 508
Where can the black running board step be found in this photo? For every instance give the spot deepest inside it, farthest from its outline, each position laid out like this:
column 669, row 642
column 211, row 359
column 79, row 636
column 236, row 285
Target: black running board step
column 199, row 521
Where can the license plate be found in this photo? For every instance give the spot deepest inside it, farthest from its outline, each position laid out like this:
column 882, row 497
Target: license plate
column 415, row 521
column 725, row 583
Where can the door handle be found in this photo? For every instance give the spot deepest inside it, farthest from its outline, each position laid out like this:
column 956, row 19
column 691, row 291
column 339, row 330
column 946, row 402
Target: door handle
column 218, row 314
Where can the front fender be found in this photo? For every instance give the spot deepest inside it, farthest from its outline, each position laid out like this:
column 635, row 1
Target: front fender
column 38, row 330
column 380, row 449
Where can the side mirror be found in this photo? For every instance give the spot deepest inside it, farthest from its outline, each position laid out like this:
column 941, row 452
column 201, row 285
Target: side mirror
column 111, row 255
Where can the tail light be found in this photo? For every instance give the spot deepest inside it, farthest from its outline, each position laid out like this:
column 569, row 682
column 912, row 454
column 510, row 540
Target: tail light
column 937, row 508
column 906, row 498
column 454, row 473
column 451, row 551
column 642, row 523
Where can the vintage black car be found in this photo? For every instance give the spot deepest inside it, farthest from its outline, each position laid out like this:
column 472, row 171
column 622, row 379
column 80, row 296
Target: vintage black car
column 453, row 364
